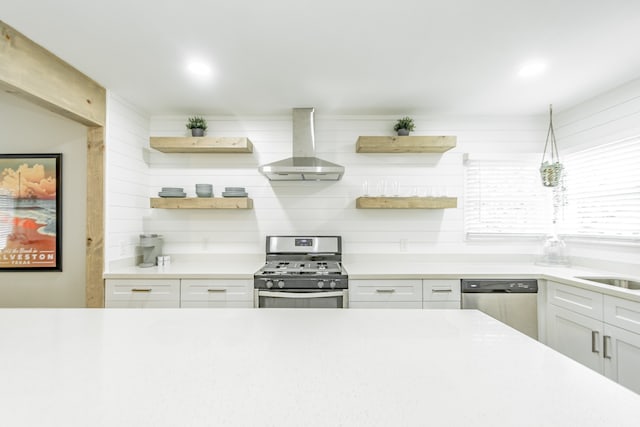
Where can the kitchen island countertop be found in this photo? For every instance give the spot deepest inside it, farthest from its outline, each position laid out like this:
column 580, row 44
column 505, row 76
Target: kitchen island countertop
column 169, row 367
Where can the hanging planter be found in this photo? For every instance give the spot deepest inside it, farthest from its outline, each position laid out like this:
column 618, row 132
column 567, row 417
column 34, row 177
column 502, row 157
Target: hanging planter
column 551, row 168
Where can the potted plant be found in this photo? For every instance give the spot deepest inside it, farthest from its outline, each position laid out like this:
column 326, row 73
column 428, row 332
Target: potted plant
column 197, row 124
column 404, row 125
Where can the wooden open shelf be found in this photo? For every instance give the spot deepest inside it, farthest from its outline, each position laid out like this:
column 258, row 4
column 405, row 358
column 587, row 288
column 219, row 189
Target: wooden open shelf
column 406, row 202
column 205, row 144
column 405, row 144
column 202, row 203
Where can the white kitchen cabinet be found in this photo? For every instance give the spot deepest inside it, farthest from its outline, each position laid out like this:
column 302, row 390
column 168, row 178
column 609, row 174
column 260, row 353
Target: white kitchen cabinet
column 622, row 313
column 621, row 353
column 216, row 293
column 608, row 341
column 142, row 293
column 440, row 293
column 576, row 336
column 583, row 301
column 385, row 293
column 622, row 341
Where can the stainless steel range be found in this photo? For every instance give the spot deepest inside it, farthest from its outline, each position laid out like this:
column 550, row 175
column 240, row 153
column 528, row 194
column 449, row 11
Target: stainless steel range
column 302, row 272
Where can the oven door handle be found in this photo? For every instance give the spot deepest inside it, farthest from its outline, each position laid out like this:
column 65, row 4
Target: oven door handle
column 301, row 295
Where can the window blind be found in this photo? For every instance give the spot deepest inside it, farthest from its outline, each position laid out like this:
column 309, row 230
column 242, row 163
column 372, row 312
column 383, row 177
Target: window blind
column 505, row 197
column 603, row 191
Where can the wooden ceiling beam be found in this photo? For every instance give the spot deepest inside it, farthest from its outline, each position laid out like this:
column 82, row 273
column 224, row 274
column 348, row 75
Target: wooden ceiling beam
column 32, row 72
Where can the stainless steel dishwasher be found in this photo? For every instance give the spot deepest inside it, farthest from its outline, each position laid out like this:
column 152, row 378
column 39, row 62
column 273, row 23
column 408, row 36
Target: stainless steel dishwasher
column 511, row 301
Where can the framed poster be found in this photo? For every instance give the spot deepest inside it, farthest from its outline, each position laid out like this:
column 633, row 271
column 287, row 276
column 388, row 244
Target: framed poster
column 30, row 212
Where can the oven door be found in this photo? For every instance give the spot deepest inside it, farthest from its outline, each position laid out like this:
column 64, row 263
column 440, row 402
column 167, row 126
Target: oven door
column 303, row 298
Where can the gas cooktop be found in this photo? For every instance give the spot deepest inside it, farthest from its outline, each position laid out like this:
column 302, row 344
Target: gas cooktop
column 302, row 262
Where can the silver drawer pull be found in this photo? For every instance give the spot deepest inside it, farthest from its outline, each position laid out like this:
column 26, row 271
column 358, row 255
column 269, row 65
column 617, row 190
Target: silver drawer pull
column 141, row 290
column 216, row 290
column 594, row 342
column 385, row 291
column 441, row 290
column 606, row 342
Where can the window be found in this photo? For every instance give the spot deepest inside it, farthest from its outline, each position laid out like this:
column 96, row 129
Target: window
column 603, row 191
column 504, row 197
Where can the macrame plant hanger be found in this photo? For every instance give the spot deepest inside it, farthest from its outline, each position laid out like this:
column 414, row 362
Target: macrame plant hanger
column 551, row 171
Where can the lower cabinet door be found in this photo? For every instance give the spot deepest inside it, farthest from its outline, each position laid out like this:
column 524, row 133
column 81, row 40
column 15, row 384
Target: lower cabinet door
column 621, row 351
column 385, row 304
column 576, row 336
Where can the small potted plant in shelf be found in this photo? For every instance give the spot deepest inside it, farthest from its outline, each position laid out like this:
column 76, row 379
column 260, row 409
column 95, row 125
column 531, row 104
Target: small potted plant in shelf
column 197, row 124
column 404, row 125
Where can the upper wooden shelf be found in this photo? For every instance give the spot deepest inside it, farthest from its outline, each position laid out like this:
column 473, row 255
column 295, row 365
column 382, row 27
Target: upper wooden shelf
column 405, row 144
column 202, row 203
column 406, row 202
column 204, row 144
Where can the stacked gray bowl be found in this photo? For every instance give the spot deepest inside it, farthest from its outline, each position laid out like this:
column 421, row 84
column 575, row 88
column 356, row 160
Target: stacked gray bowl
column 234, row 192
column 204, row 190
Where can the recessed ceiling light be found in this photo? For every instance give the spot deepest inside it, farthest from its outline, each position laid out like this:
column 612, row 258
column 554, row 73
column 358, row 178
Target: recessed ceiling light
column 199, row 69
column 532, row 69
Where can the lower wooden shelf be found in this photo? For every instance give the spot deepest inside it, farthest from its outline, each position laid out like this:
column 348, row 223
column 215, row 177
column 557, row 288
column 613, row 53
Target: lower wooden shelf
column 202, row 203
column 406, row 202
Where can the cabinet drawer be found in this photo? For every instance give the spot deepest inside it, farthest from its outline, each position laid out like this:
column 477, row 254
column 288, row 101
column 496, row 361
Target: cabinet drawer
column 385, row 290
column 441, row 290
column 622, row 313
column 579, row 300
column 217, row 290
column 439, row 305
column 385, row 304
column 142, row 290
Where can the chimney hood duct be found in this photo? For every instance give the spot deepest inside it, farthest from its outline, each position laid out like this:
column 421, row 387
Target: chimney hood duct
column 303, row 166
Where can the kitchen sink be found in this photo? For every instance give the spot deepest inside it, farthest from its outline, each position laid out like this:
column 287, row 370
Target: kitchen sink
column 613, row 281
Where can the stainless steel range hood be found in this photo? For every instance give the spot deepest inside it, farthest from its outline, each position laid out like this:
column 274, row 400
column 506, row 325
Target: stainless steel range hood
column 303, row 166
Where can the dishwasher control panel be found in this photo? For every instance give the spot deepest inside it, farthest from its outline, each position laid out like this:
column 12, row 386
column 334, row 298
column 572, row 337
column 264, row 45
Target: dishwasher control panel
column 499, row 285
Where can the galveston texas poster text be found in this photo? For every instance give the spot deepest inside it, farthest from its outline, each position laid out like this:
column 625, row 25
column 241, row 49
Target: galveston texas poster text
column 29, row 212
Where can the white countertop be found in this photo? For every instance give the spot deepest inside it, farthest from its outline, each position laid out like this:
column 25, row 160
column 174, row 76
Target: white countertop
column 190, row 367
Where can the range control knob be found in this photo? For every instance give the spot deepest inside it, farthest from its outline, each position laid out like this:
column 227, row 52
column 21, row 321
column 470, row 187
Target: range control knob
column 321, row 284
column 332, row 284
column 269, row 284
column 281, row 284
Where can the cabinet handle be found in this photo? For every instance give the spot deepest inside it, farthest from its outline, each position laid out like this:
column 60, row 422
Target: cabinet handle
column 216, row 290
column 385, row 291
column 441, row 290
column 594, row 341
column 605, row 350
column 141, row 290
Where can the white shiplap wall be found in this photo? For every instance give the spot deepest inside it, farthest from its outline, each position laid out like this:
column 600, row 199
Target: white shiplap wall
column 606, row 118
column 127, row 178
column 329, row 207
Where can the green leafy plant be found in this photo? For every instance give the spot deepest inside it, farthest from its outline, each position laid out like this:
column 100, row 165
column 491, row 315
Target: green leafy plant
column 197, row 122
column 405, row 123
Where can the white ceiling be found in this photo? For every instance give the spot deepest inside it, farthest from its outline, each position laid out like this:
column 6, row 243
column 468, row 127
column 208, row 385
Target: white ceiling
column 342, row 56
